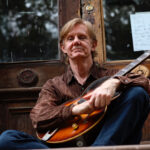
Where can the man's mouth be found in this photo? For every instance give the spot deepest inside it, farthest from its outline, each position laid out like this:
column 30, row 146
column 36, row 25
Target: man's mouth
column 77, row 48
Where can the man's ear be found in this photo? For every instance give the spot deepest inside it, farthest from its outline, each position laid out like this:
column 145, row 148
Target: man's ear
column 62, row 47
column 94, row 45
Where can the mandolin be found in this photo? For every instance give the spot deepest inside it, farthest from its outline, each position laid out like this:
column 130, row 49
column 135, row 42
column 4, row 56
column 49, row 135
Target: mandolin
column 74, row 129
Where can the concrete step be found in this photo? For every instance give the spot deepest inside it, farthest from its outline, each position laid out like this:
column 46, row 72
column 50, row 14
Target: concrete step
column 126, row 147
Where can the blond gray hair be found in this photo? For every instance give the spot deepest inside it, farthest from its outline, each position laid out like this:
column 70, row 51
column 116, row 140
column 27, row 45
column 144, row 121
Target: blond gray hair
column 72, row 23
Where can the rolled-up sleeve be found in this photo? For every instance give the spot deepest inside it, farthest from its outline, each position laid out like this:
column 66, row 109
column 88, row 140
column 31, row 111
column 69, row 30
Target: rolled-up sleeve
column 132, row 79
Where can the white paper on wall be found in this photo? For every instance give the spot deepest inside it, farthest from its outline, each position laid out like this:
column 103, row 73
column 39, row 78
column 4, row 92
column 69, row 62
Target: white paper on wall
column 140, row 27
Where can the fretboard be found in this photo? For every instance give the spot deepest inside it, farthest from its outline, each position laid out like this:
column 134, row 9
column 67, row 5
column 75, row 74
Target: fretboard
column 133, row 64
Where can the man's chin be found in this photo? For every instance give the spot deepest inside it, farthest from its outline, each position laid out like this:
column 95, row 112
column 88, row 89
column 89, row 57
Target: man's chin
column 77, row 56
column 78, row 53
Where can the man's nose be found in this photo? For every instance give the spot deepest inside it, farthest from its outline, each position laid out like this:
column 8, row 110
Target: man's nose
column 76, row 40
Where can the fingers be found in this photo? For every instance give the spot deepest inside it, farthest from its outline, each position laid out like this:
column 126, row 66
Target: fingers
column 99, row 101
column 82, row 108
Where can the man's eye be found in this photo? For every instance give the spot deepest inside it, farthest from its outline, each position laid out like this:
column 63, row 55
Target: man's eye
column 70, row 38
column 82, row 37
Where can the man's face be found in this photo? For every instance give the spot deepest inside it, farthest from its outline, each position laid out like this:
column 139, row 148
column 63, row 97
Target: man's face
column 77, row 44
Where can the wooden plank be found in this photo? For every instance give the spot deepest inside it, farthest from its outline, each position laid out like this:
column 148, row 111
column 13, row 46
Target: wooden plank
column 68, row 9
column 92, row 11
column 43, row 70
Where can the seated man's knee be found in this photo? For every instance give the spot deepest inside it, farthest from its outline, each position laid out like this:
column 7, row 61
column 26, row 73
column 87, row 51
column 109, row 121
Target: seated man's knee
column 138, row 94
column 6, row 138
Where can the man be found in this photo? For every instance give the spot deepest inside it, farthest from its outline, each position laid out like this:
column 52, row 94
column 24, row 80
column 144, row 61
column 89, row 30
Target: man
column 125, row 116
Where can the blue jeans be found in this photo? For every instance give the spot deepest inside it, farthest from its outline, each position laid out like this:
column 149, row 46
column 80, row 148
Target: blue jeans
column 13, row 140
column 124, row 119
column 122, row 124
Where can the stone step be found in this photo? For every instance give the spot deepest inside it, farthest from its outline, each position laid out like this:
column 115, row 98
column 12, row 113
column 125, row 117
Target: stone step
column 126, row 147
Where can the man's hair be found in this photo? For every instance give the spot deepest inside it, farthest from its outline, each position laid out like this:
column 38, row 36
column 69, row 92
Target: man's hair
column 72, row 23
column 69, row 25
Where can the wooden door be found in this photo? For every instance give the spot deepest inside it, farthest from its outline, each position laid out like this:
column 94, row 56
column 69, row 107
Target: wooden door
column 21, row 79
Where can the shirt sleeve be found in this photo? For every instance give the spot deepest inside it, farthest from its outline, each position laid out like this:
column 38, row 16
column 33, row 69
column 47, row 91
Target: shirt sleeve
column 48, row 112
column 132, row 79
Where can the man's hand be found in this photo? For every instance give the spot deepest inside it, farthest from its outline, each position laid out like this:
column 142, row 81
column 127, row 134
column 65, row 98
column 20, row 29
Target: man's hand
column 99, row 98
column 103, row 94
column 83, row 108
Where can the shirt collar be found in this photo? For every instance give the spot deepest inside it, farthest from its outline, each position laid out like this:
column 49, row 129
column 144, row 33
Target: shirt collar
column 69, row 75
column 93, row 72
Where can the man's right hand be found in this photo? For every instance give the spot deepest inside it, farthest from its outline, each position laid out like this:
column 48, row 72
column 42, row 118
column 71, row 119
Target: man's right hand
column 83, row 108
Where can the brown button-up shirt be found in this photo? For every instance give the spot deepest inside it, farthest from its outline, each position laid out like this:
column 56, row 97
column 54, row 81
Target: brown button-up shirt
column 49, row 111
